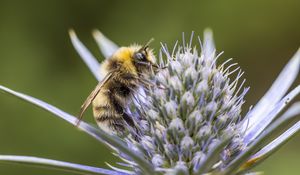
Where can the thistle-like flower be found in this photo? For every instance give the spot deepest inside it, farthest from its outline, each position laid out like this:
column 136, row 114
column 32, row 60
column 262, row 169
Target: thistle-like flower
column 190, row 121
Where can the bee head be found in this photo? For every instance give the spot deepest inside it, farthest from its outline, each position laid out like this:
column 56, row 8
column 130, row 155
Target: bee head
column 144, row 56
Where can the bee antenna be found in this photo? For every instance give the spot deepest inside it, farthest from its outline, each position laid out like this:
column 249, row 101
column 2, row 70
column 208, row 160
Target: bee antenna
column 147, row 44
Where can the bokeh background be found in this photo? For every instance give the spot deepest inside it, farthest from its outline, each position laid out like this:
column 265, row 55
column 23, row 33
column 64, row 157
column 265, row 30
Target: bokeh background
column 37, row 58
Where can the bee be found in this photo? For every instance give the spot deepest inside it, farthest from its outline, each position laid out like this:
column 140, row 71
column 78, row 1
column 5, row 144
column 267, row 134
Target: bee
column 124, row 73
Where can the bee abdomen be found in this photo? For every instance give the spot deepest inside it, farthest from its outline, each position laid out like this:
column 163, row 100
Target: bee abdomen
column 110, row 119
column 110, row 105
column 111, row 125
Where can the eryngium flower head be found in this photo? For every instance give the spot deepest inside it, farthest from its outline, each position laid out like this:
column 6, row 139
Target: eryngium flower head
column 190, row 121
column 194, row 107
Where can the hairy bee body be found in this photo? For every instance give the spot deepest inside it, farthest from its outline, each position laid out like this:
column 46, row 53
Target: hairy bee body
column 109, row 105
column 124, row 71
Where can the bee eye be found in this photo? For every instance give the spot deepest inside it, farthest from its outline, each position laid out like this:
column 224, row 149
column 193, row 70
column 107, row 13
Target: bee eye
column 140, row 56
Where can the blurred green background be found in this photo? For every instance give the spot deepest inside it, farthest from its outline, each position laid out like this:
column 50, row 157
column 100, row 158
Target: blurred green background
column 37, row 58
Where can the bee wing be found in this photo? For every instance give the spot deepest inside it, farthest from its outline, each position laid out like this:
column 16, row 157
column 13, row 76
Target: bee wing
column 93, row 95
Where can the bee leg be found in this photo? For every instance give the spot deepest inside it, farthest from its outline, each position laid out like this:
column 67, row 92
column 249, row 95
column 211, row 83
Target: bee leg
column 128, row 119
column 131, row 123
column 117, row 126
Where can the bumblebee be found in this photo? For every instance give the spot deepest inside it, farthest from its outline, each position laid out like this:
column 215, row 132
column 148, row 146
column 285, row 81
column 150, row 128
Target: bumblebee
column 124, row 73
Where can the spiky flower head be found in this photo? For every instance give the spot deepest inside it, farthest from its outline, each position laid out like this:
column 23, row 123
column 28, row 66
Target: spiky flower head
column 194, row 107
column 190, row 122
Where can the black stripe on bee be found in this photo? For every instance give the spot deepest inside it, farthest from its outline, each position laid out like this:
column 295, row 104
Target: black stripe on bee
column 116, row 104
column 117, row 124
column 100, row 108
column 103, row 118
column 127, row 76
column 123, row 88
column 122, row 91
column 116, row 119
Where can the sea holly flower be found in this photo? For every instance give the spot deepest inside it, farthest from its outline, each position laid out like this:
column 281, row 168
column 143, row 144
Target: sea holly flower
column 190, row 121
